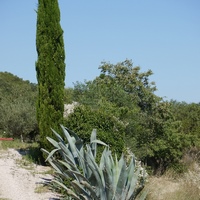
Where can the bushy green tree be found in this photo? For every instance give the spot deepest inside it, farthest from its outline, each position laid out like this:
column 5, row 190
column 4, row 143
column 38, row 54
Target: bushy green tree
column 50, row 68
column 17, row 107
column 121, row 84
column 188, row 115
column 68, row 95
column 159, row 141
column 110, row 130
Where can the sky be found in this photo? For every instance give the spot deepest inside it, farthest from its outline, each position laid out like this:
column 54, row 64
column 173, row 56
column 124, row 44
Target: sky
column 160, row 35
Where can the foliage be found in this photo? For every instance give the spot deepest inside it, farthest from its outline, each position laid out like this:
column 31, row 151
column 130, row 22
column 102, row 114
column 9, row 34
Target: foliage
column 68, row 95
column 17, row 106
column 152, row 129
column 50, row 68
column 110, row 129
column 130, row 80
column 188, row 115
column 121, row 84
column 159, row 141
column 111, row 179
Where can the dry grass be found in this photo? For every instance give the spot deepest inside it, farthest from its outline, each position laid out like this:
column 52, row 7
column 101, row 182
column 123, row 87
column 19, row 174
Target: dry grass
column 166, row 189
column 185, row 187
column 42, row 189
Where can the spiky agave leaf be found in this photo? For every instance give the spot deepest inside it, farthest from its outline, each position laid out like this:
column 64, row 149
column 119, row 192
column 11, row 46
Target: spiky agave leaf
column 122, row 179
column 91, row 189
column 93, row 145
column 69, row 191
column 51, row 154
column 71, row 142
column 53, row 142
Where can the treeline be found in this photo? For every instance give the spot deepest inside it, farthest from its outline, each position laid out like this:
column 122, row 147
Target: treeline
column 121, row 104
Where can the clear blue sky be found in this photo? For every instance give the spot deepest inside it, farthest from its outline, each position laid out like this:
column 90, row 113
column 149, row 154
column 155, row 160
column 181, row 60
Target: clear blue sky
column 161, row 35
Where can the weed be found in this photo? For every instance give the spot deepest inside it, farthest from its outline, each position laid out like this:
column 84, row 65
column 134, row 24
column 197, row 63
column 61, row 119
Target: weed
column 41, row 189
column 24, row 163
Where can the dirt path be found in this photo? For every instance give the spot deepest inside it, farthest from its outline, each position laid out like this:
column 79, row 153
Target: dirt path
column 18, row 181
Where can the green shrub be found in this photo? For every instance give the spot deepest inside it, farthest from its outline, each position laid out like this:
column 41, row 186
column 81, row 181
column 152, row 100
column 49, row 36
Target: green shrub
column 110, row 130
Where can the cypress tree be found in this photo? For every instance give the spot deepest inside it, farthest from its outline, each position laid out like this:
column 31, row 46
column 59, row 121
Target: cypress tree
column 50, row 68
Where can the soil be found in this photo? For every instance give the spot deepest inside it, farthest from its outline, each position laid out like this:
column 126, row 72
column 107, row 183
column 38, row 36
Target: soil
column 19, row 180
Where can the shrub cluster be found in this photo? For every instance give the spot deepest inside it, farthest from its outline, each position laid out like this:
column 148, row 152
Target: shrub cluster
column 84, row 119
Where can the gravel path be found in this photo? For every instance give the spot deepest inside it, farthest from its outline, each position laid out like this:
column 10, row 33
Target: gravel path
column 19, row 181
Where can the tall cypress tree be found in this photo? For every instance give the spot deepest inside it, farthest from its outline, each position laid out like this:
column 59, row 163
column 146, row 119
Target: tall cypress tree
column 50, row 68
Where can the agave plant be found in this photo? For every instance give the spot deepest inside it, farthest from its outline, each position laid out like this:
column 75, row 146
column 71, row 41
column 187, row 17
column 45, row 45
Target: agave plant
column 111, row 179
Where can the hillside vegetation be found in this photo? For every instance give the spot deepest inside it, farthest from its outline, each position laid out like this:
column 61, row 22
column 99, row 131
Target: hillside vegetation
column 122, row 106
column 120, row 103
column 17, row 107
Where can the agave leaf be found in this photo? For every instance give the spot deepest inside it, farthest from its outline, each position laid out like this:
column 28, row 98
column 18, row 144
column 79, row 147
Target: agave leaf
column 143, row 195
column 108, row 183
column 83, row 163
column 55, row 165
column 98, row 174
column 121, row 180
column 71, row 141
column 86, row 168
column 57, row 135
column 99, row 142
column 51, row 154
column 93, row 145
column 132, row 187
column 117, row 171
column 79, row 176
column 53, row 142
column 69, row 191
column 130, row 176
column 110, row 160
column 67, row 174
column 131, row 166
column 106, row 161
column 45, row 151
column 79, row 188
column 107, row 168
column 83, row 197
column 115, row 175
column 75, row 174
column 102, row 160
column 90, row 188
column 72, row 134
column 68, row 165
column 67, row 153
column 71, row 163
